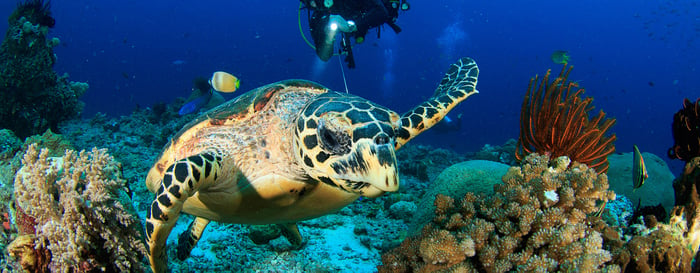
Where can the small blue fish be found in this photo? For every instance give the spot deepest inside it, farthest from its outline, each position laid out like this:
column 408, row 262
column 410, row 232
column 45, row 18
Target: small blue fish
column 195, row 104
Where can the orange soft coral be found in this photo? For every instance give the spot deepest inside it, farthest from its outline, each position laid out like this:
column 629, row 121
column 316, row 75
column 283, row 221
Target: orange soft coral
column 554, row 120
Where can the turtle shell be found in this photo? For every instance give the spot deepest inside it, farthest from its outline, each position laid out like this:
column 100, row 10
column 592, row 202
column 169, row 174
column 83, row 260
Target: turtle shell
column 248, row 103
column 229, row 113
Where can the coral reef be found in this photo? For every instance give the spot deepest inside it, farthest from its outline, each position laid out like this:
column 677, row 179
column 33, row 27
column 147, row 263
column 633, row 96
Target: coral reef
column 618, row 213
column 9, row 144
column 686, row 214
column 33, row 97
column 686, row 131
column 419, row 160
column 73, row 215
column 662, row 250
column 57, row 144
column 475, row 176
column 536, row 221
column 503, row 154
column 554, row 120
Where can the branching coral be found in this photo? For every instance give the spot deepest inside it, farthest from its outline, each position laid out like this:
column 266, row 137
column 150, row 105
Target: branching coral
column 536, row 220
column 554, row 120
column 686, row 132
column 80, row 214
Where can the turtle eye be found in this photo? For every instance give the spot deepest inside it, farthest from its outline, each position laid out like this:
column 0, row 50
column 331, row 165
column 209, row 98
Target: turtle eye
column 381, row 139
column 334, row 142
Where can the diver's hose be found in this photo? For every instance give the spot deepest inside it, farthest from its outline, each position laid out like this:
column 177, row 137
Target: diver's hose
column 301, row 30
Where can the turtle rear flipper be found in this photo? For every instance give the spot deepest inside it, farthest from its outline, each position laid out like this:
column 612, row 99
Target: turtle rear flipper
column 290, row 231
column 458, row 84
column 181, row 180
column 190, row 237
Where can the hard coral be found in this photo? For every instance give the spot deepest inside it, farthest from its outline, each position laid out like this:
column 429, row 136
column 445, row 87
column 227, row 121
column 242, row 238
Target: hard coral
column 536, row 220
column 686, row 212
column 32, row 96
column 36, row 11
column 83, row 218
column 554, row 120
column 686, row 132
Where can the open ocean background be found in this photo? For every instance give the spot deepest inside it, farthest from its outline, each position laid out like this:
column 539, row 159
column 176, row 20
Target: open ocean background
column 638, row 59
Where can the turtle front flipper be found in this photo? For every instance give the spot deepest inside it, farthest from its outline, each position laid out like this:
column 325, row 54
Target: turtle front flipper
column 458, row 84
column 190, row 237
column 180, row 181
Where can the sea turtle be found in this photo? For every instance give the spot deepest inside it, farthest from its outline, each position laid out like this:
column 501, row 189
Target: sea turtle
column 285, row 152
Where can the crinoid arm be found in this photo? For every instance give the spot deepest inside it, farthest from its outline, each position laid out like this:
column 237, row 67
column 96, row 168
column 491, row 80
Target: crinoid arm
column 554, row 120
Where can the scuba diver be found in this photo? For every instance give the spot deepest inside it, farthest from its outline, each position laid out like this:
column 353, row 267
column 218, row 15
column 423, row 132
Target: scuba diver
column 352, row 18
column 448, row 125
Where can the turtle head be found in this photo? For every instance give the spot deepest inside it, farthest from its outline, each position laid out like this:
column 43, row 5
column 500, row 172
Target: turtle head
column 348, row 142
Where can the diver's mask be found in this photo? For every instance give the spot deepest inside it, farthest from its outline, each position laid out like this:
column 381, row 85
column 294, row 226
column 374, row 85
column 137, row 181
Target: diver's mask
column 336, row 23
column 404, row 5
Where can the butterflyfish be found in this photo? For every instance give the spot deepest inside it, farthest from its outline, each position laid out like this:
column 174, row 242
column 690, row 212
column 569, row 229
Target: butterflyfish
column 224, row 82
column 639, row 170
column 560, row 57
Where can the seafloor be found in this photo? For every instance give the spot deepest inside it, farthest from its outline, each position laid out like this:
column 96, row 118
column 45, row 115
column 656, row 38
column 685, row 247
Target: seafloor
column 351, row 240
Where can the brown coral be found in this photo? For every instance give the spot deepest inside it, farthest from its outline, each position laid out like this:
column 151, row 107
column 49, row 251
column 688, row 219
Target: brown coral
column 686, row 213
column 510, row 232
column 84, row 219
column 686, row 131
column 554, row 121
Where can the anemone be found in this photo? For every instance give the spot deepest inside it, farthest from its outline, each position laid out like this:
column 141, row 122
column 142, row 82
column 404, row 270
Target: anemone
column 554, row 120
column 686, row 132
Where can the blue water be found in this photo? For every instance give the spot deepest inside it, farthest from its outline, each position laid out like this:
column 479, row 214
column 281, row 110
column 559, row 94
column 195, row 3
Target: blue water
column 638, row 59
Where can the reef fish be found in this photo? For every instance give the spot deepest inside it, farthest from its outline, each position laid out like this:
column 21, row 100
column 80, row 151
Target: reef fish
column 560, row 57
column 224, row 82
column 639, row 170
column 196, row 104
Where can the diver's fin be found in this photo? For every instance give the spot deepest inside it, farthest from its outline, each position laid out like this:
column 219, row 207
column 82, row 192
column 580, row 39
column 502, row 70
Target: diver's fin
column 190, row 237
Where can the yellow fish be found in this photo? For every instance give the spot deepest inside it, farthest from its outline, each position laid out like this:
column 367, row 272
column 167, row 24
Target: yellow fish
column 560, row 57
column 224, row 82
column 639, row 170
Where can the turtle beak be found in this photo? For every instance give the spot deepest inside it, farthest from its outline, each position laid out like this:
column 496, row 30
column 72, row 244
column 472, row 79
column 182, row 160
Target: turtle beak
column 370, row 170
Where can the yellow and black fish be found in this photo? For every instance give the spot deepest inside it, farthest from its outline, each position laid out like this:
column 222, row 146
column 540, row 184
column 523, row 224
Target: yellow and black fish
column 639, row 170
column 224, row 82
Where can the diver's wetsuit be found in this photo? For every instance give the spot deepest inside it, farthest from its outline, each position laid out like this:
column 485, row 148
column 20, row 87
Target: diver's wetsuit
column 366, row 14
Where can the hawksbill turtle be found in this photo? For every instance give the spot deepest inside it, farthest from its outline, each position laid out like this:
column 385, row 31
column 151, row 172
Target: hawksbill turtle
column 285, row 152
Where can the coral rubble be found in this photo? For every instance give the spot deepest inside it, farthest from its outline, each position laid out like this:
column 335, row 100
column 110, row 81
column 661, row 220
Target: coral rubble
column 73, row 215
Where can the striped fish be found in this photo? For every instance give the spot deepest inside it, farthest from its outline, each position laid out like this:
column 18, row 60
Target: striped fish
column 639, row 170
